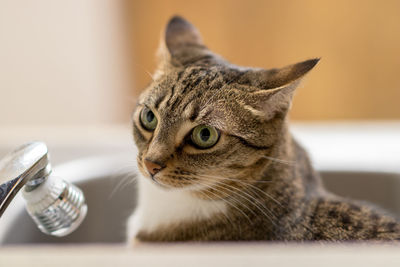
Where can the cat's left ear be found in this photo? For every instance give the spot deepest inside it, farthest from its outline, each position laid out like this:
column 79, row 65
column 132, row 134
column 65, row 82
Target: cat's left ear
column 276, row 86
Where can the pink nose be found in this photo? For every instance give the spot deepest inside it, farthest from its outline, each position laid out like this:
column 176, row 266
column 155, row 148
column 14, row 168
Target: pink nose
column 152, row 166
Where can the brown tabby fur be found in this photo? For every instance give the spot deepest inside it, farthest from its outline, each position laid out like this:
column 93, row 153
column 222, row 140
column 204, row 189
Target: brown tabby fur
column 256, row 166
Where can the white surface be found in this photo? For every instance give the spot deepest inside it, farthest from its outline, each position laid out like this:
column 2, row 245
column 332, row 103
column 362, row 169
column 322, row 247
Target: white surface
column 352, row 146
column 204, row 255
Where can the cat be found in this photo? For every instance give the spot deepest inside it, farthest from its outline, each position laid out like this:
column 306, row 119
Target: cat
column 218, row 162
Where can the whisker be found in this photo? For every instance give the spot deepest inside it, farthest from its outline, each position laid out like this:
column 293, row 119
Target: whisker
column 248, row 186
column 249, row 198
column 290, row 163
column 226, row 201
column 253, row 187
column 145, row 70
column 122, row 183
column 123, row 176
column 213, row 202
column 266, row 194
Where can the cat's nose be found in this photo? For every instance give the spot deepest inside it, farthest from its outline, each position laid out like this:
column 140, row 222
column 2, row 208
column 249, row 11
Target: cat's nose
column 152, row 166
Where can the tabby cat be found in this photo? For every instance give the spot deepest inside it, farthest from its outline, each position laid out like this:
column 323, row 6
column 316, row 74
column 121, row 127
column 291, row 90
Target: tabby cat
column 218, row 162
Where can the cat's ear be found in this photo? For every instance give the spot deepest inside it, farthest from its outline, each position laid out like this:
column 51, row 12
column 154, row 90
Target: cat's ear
column 182, row 42
column 180, row 34
column 277, row 86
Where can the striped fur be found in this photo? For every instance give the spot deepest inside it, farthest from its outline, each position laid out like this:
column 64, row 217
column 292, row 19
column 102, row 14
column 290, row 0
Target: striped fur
column 256, row 183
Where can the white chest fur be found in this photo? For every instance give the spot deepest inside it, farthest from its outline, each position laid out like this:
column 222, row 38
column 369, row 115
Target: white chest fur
column 160, row 207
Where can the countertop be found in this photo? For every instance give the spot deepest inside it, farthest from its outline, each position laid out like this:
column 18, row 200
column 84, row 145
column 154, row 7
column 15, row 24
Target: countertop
column 210, row 254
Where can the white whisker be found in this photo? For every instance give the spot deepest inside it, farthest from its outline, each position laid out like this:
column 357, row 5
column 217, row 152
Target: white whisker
column 226, row 201
column 258, row 189
column 291, row 163
column 253, row 187
column 248, row 197
column 222, row 212
column 122, row 183
column 123, row 176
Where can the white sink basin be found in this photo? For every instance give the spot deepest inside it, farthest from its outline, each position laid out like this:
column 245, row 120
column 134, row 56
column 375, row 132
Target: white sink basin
column 355, row 161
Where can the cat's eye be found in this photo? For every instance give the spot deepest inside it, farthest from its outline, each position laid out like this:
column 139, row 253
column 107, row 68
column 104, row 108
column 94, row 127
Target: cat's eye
column 148, row 119
column 204, row 136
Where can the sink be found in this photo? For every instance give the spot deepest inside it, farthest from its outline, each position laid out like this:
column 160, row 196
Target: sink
column 111, row 199
column 106, row 174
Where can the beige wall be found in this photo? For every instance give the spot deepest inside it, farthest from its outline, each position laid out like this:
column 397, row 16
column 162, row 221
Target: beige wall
column 83, row 61
column 359, row 42
column 63, row 62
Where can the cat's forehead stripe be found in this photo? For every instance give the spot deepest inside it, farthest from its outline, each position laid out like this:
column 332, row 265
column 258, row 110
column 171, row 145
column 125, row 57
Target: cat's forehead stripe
column 160, row 99
column 185, row 81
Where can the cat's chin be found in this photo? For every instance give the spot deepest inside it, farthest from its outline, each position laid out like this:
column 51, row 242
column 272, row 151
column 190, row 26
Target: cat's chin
column 159, row 183
column 168, row 184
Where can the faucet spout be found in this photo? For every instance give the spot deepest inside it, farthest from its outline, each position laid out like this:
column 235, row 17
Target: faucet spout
column 28, row 164
column 56, row 206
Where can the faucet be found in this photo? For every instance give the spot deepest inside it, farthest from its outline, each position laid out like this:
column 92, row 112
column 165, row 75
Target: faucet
column 55, row 205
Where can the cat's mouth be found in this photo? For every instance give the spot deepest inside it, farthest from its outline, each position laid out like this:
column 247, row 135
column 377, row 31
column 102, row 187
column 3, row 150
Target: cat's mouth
column 175, row 178
column 171, row 181
column 168, row 181
column 158, row 182
column 155, row 178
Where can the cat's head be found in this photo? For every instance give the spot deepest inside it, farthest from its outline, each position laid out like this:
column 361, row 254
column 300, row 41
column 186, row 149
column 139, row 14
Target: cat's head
column 203, row 121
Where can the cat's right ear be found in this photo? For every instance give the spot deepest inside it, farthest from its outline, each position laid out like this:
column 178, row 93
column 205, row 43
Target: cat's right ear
column 180, row 34
column 180, row 43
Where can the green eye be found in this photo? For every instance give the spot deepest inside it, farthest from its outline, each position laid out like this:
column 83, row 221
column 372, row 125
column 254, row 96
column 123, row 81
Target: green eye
column 205, row 136
column 148, row 119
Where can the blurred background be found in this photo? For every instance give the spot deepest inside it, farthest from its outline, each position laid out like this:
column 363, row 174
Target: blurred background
column 86, row 61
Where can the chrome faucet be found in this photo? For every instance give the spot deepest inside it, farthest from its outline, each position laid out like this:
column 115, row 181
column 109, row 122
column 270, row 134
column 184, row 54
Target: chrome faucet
column 56, row 206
